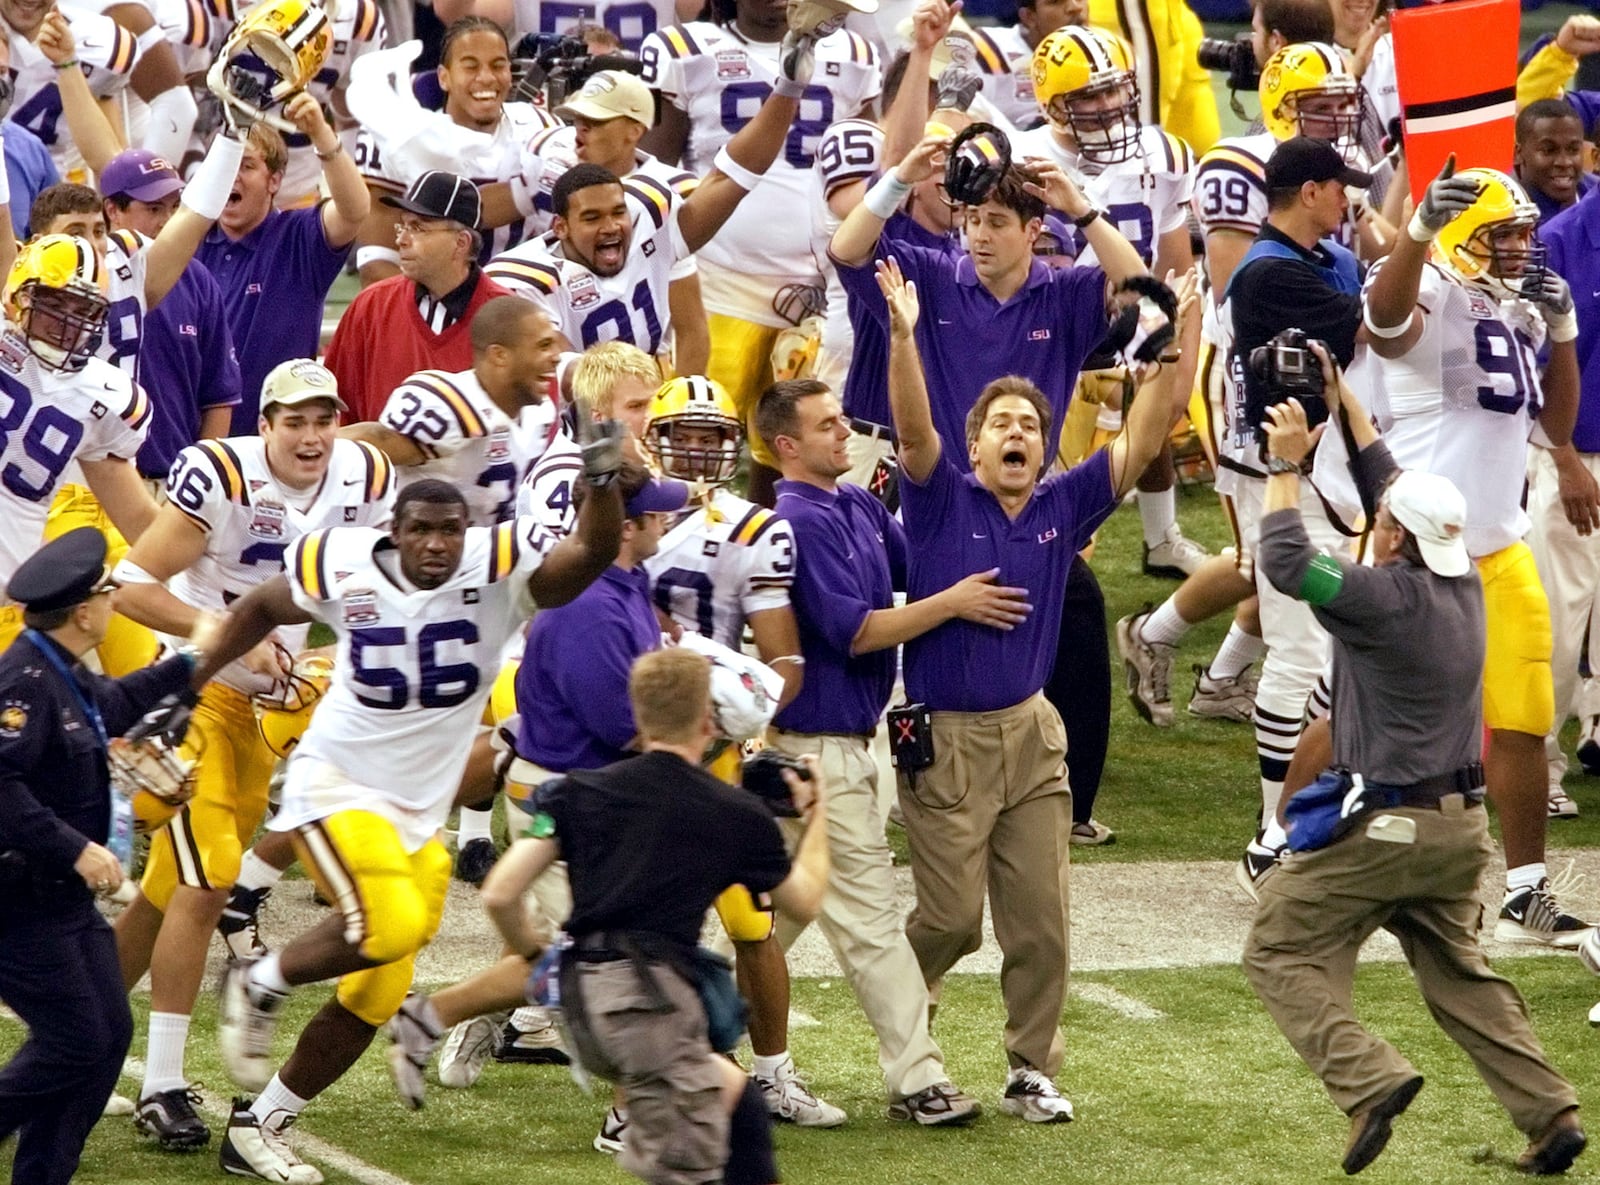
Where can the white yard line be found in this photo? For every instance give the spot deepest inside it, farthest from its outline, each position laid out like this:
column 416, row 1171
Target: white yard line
column 1108, row 997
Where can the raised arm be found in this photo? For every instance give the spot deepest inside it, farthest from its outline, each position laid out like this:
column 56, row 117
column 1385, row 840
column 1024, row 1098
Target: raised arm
column 917, row 438
column 857, row 237
column 1150, row 418
column 579, row 559
column 343, row 216
column 1117, row 257
column 1392, row 298
column 86, row 122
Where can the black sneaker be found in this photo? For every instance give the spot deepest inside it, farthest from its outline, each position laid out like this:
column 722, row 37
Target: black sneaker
column 1254, row 866
column 168, row 1117
column 474, row 860
column 1534, row 917
column 240, row 922
column 941, row 1105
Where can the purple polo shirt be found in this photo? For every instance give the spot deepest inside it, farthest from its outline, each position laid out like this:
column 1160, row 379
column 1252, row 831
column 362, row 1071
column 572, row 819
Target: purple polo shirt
column 866, row 389
column 274, row 282
column 955, row 527
column 1572, row 238
column 187, row 364
column 572, row 687
column 968, row 339
column 850, row 556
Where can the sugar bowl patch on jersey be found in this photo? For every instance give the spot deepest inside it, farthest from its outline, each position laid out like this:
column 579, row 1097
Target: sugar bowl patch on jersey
column 467, row 440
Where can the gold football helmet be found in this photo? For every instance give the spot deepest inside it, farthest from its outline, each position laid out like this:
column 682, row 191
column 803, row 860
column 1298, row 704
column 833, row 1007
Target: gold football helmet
column 692, row 401
column 1084, row 81
column 1307, row 89
column 273, row 53
column 56, row 294
column 284, row 713
column 1467, row 245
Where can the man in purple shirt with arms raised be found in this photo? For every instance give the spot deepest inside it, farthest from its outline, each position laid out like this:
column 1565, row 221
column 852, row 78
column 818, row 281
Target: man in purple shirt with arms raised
column 850, row 554
column 992, row 813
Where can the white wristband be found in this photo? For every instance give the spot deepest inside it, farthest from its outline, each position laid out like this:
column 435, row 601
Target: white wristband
column 1387, row 331
column 366, row 255
column 744, row 178
column 522, row 196
column 128, row 572
column 1418, row 231
column 886, row 195
column 1562, row 327
column 788, row 88
column 208, row 190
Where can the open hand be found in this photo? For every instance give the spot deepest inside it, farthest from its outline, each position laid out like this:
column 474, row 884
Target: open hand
column 901, row 296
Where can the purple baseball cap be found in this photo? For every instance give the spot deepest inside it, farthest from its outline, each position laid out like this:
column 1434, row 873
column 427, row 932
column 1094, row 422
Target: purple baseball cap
column 141, row 175
column 659, row 496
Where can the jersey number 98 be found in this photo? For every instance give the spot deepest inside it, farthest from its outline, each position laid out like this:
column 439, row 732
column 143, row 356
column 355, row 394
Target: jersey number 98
column 741, row 101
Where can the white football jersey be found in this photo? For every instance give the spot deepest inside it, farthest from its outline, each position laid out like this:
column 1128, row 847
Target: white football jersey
column 1462, row 401
column 107, row 54
column 849, row 151
column 720, row 563
column 1144, row 197
column 227, row 489
column 126, row 261
column 483, row 159
column 52, row 419
column 630, row 20
column 586, row 307
column 546, row 493
column 468, row 440
column 552, row 152
column 413, row 672
column 719, row 80
column 1005, row 59
column 191, row 28
column 1230, row 193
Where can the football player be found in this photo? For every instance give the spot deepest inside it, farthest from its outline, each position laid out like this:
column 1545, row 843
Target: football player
column 233, row 508
column 610, row 114
column 1456, row 317
column 479, row 135
column 1142, row 177
column 421, row 614
column 713, row 77
column 601, row 277
column 727, row 564
column 66, row 405
column 610, row 381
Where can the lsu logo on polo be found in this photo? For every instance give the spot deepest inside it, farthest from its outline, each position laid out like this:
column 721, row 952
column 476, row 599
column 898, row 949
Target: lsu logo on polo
column 1038, row 335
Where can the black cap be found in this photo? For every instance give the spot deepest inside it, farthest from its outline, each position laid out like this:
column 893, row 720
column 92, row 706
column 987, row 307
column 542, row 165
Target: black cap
column 1303, row 159
column 437, row 194
column 62, row 573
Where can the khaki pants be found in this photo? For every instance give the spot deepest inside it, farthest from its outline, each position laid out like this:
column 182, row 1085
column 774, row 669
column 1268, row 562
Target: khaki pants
column 1319, row 907
column 858, row 915
column 993, row 814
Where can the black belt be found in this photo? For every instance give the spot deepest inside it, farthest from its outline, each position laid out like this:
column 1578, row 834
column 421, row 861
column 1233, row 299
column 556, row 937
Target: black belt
column 848, row 736
column 868, row 428
column 1466, row 781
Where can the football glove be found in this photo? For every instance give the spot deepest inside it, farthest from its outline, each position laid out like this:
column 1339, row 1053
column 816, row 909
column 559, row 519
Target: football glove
column 1448, row 196
column 602, row 451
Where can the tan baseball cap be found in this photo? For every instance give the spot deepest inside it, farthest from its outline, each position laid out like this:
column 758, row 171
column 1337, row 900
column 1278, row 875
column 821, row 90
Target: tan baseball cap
column 297, row 381
column 612, row 94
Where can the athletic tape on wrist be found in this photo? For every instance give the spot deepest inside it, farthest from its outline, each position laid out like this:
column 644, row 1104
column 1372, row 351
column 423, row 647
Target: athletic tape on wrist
column 885, row 196
column 1387, row 331
column 366, row 255
column 1562, row 327
column 208, row 190
column 1418, row 230
column 744, row 178
column 128, row 572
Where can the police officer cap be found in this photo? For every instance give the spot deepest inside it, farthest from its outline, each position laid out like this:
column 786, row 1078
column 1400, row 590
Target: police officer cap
column 62, row 573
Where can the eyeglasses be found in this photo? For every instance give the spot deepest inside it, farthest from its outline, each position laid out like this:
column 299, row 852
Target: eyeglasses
column 410, row 229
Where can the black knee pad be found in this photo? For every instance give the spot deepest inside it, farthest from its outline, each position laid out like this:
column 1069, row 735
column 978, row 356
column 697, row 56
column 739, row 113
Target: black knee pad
column 751, row 1159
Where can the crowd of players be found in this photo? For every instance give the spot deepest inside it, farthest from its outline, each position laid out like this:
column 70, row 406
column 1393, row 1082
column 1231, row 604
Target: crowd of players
column 866, row 267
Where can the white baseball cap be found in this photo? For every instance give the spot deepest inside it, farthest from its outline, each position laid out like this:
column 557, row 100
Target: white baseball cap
column 297, row 381
column 1434, row 512
column 611, row 94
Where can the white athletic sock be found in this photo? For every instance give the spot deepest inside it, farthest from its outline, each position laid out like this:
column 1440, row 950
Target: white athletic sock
column 1158, row 512
column 474, row 824
column 1165, row 625
column 767, row 1067
column 268, row 975
column 1234, row 656
column 1272, row 835
column 276, row 1105
column 1527, row 876
column 256, row 873
column 163, row 1058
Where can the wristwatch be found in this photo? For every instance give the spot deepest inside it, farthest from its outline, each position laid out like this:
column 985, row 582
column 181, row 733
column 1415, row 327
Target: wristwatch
column 1279, row 465
column 1086, row 219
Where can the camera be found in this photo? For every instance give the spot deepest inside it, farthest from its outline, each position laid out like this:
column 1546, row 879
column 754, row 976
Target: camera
column 762, row 775
column 1287, row 368
column 547, row 67
column 1236, row 59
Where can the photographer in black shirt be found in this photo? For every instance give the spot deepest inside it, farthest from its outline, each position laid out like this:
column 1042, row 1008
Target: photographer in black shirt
column 649, row 844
